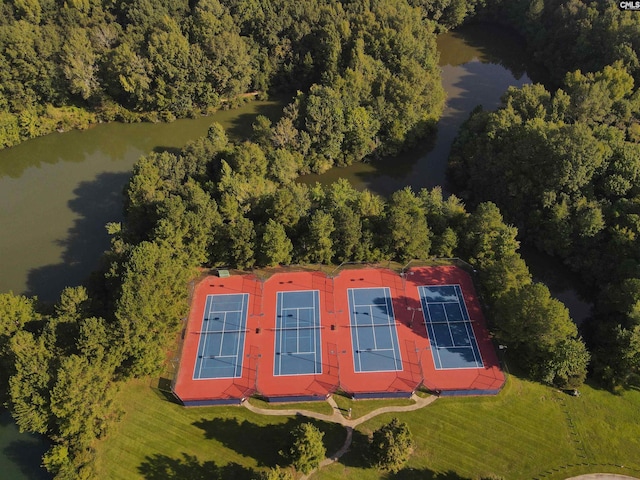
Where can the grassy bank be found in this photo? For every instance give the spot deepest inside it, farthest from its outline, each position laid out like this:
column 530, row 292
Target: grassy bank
column 528, row 431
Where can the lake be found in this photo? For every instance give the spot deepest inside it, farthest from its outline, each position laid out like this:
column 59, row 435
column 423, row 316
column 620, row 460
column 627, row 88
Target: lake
column 59, row 191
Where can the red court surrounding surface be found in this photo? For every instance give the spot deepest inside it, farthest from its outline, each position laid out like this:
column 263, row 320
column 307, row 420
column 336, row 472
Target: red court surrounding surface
column 337, row 351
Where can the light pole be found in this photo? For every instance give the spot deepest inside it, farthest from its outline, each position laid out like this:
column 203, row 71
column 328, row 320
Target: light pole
column 503, row 349
column 413, row 313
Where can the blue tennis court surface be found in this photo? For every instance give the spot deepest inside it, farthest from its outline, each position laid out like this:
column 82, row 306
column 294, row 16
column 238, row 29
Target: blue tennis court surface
column 453, row 343
column 221, row 344
column 297, row 349
column 373, row 330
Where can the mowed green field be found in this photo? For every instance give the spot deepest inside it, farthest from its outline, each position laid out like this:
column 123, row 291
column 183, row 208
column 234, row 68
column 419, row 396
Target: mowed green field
column 158, row 439
column 528, row 431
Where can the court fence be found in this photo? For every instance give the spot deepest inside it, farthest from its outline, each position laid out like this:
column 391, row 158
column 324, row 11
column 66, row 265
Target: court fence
column 169, row 377
column 439, row 262
column 171, row 373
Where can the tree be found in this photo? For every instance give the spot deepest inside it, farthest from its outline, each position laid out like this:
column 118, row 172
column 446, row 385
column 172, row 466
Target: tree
column 289, row 204
column 15, row 312
column 319, row 245
column 29, row 386
column 391, row 446
column 307, row 449
column 617, row 360
column 409, row 234
column 132, row 72
column 152, row 301
column 79, row 64
column 284, row 165
column 240, row 242
column 73, row 303
column 276, row 473
column 347, row 234
column 276, row 246
column 539, row 328
column 324, row 121
column 567, row 366
column 81, row 399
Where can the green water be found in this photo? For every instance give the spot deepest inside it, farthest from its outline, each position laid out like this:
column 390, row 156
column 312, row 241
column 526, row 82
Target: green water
column 20, row 455
column 57, row 193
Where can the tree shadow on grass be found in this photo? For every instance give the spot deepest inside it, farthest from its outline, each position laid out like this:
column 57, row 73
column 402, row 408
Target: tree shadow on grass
column 162, row 467
column 358, row 454
column 264, row 443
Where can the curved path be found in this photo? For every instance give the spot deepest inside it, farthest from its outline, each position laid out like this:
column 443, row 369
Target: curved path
column 602, row 476
column 337, row 417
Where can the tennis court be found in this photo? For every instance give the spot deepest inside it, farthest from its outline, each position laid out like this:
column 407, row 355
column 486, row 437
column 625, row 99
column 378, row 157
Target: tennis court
column 453, row 342
column 222, row 334
column 373, row 331
column 297, row 339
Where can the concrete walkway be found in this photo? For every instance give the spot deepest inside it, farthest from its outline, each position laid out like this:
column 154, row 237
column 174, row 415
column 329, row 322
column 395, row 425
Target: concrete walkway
column 602, row 476
column 338, row 417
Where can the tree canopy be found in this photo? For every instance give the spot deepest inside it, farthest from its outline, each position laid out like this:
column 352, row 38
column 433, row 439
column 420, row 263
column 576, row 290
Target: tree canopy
column 391, row 446
column 307, row 450
column 567, row 164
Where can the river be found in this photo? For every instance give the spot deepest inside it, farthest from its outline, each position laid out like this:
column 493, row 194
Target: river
column 57, row 192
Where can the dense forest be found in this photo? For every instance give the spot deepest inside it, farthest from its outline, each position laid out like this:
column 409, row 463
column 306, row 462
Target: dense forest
column 564, row 164
column 367, row 84
column 367, row 73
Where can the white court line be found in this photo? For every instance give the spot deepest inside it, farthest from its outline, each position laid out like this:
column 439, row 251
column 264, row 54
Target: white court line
column 356, row 348
column 315, row 333
column 204, row 340
column 473, row 334
column 446, row 315
column 281, row 329
column 373, row 330
column 220, row 356
column 435, row 341
column 222, row 318
column 240, row 345
column 467, row 323
column 442, row 303
column 374, row 350
column 392, row 328
column 280, row 302
column 388, row 306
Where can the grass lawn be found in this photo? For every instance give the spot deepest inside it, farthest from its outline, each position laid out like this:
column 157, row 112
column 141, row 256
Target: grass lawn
column 318, row 407
column 158, row 439
column 360, row 408
column 527, row 432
